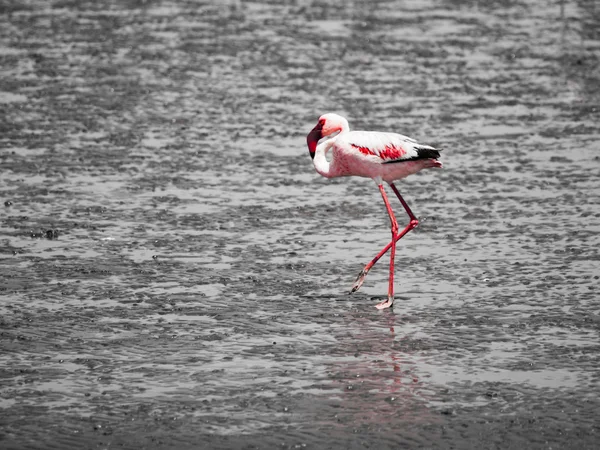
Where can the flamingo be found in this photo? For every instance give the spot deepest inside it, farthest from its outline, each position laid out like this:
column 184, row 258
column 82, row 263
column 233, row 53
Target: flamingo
column 380, row 156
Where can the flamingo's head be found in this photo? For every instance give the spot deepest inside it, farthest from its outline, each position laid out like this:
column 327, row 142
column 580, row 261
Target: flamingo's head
column 329, row 125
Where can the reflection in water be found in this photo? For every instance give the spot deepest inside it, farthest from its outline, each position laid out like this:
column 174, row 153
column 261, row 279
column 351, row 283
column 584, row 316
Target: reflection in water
column 380, row 383
column 565, row 23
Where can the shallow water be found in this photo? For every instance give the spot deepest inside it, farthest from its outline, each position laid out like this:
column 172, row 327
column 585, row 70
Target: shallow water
column 175, row 274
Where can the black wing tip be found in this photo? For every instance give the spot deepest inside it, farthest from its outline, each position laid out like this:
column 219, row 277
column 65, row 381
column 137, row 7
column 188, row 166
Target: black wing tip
column 427, row 153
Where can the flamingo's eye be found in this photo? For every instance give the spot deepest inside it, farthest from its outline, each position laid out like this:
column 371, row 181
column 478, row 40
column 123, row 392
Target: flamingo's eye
column 322, row 122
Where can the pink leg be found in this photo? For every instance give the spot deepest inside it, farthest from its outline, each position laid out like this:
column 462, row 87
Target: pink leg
column 390, row 300
column 412, row 224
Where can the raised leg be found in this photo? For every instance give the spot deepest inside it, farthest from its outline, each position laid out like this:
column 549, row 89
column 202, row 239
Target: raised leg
column 412, row 224
column 390, row 300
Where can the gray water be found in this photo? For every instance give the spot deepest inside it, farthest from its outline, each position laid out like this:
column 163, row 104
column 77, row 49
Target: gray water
column 174, row 274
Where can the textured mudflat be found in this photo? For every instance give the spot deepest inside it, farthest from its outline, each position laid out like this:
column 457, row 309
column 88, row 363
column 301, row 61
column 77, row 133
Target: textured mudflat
column 175, row 275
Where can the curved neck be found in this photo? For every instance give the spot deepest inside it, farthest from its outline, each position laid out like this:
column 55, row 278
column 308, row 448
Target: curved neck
column 322, row 166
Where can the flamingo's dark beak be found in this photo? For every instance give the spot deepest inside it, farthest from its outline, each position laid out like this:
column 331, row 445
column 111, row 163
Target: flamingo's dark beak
column 313, row 138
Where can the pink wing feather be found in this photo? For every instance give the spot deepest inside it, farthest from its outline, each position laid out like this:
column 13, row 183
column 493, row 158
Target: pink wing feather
column 389, row 147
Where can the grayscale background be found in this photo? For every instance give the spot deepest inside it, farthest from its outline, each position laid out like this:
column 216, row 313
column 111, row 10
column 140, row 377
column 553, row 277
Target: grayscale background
column 174, row 274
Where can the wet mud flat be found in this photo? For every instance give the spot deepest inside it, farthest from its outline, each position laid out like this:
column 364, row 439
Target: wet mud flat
column 174, row 274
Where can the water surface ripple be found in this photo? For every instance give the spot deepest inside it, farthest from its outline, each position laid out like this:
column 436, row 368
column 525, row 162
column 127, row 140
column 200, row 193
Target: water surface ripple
column 174, row 274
